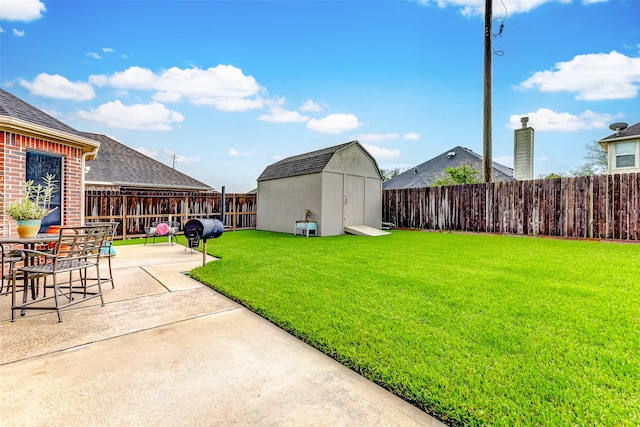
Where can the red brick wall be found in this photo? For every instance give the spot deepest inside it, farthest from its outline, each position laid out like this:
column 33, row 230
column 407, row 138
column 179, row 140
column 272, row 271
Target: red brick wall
column 13, row 148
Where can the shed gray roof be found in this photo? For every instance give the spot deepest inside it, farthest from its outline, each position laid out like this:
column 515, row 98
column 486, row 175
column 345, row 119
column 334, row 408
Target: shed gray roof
column 428, row 172
column 302, row 164
column 117, row 164
column 629, row 132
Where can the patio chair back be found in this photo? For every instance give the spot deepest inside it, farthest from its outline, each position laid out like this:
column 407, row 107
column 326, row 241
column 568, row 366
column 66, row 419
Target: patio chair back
column 79, row 243
column 76, row 250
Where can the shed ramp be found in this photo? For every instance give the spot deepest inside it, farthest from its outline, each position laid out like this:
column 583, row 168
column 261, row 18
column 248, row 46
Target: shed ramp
column 364, row 230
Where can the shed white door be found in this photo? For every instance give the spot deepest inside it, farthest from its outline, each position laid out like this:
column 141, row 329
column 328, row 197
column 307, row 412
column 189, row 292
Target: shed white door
column 353, row 200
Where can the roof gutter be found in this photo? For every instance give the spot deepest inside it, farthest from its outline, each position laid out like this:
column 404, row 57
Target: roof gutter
column 146, row 186
column 605, row 142
column 83, row 172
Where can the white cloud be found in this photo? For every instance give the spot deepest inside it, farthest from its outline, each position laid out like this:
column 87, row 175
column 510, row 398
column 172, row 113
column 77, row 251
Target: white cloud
column 311, row 107
column 131, row 78
column 377, row 137
column 21, row 10
column 381, row 153
column 108, row 50
column 283, row 116
column 152, row 116
column 98, row 80
column 1, row 30
column 548, row 120
column 476, row 7
column 233, row 104
column 234, row 152
column 181, row 159
column 148, row 152
column 94, row 55
column 504, row 160
column 56, row 86
column 471, row 8
column 596, row 76
column 224, row 87
column 334, row 123
column 18, row 33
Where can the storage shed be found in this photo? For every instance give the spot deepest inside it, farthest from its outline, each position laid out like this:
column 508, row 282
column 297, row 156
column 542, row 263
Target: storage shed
column 340, row 186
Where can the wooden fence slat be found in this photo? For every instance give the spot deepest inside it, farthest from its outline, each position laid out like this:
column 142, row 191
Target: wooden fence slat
column 600, row 206
column 134, row 211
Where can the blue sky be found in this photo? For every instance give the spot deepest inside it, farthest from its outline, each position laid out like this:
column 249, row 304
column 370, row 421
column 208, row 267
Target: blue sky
column 229, row 87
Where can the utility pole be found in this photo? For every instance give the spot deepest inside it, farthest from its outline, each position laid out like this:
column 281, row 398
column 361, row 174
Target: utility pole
column 488, row 53
column 174, row 157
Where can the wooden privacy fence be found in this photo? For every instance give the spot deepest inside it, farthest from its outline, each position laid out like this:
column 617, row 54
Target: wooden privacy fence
column 136, row 210
column 602, row 207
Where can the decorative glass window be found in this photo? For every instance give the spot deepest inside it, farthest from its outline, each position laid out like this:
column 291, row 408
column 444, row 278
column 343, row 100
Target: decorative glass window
column 38, row 166
column 625, row 154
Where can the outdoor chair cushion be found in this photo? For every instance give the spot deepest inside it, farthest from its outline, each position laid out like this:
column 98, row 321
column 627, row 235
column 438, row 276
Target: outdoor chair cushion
column 162, row 229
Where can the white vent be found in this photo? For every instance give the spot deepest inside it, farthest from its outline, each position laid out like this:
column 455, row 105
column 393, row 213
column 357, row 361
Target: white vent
column 451, row 154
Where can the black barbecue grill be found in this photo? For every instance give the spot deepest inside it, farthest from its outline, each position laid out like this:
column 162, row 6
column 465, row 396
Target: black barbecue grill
column 202, row 229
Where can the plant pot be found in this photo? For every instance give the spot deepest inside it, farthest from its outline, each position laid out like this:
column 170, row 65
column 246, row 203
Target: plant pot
column 28, row 227
column 53, row 229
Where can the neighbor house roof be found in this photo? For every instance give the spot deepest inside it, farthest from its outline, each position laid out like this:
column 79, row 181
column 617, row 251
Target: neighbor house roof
column 428, row 172
column 630, row 132
column 21, row 117
column 303, row 164
column 117, row 164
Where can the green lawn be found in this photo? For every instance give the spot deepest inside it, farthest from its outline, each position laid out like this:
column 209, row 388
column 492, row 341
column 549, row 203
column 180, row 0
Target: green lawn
column 474, row 329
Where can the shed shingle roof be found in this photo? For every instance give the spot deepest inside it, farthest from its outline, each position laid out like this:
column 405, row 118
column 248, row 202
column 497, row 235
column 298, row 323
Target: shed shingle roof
column 428, row 172
column 117, row 164
column 302, row 164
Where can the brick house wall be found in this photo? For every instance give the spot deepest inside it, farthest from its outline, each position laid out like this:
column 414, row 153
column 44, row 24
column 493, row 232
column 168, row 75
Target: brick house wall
column 13, row 149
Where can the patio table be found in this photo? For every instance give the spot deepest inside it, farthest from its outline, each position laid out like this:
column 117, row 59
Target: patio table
column 41, row 238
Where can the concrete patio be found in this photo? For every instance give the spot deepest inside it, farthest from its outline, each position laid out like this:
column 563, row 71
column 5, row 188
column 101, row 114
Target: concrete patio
column 167, row 350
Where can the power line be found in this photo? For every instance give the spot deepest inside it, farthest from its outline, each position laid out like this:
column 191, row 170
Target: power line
column 542, row 18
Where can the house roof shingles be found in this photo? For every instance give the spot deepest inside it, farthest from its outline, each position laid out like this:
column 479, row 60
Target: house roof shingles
column 14, row 107
column 428, row 172
column 629, row 132
column 302, row 164
column 19, row 116
column 117, row 164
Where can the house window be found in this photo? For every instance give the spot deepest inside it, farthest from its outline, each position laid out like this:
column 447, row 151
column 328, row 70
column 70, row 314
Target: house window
column 625, row 154
column 38, row 166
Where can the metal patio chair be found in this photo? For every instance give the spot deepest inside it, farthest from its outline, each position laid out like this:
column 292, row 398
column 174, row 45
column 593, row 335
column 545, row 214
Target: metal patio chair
column 161, row 229
column 10, row 259
column 108, row 251
column 76, row 250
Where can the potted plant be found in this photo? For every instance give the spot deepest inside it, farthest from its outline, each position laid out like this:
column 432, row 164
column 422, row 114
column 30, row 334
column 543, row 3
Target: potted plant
column 28, row 212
